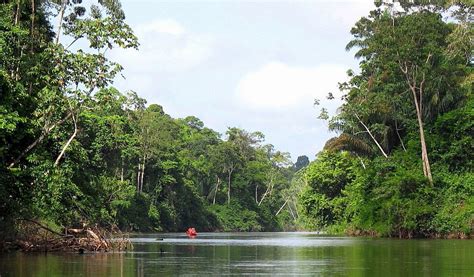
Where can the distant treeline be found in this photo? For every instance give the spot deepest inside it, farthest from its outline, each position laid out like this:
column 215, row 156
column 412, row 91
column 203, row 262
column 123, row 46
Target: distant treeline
column 77, row 152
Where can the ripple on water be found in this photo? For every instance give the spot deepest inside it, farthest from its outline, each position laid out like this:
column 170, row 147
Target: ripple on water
column 246, row 240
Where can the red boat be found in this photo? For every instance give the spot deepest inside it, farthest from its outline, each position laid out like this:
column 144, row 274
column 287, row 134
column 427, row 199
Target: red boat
column 191, row 232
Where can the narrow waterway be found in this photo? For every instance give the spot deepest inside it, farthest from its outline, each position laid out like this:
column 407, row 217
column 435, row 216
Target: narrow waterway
column 285, row 254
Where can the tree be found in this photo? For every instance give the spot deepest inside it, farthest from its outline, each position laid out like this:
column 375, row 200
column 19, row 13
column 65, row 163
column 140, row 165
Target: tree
column 301, row 162
column 74, row 75
column 414, row 86
column 76, row 151
column 227, row 158
column 244, row 141
column 415, row 63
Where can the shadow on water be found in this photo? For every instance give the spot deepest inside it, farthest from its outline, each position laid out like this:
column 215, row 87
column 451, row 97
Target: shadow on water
column 256, row 254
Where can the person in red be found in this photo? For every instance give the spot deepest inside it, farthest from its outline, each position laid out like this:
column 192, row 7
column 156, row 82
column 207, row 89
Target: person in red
column 191, row 232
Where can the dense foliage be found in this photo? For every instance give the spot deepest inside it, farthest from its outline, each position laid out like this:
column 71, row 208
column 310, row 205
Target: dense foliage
column 76, row 151
column 412, row 96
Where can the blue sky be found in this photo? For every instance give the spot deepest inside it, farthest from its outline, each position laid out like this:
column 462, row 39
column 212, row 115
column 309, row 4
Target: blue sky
column 257, row 65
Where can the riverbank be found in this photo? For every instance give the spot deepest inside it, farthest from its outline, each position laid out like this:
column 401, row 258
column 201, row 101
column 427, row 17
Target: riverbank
column 34, row 236
column 408, row 235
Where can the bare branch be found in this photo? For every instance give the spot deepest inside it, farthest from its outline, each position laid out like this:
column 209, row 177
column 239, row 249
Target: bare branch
column 68, row 142
column 282, row 206
column 43, row 135
column 370, row 134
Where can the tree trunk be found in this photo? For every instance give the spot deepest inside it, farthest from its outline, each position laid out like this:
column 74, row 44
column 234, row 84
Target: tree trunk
column 33, row 13
column 17, row 13
column 121, row 172
column 412, row 82
column 228, row 181
column 60, row 21
column 424, row 151
column 68, row 142
column 217, row 188
column 256, row 194
column 291, row 211
column 138, row 177
column 14, row 71
column 268, row 191
column 279, row 210
column 142, row 175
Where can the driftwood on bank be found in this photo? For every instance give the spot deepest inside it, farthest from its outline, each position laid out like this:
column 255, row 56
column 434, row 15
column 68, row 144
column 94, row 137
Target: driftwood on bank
column 36, row 237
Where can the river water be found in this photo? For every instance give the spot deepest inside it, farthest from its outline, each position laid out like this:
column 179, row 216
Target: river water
column 251, row 254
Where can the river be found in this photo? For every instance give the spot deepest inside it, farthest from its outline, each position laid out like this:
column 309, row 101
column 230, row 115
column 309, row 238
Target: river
column 284, row 254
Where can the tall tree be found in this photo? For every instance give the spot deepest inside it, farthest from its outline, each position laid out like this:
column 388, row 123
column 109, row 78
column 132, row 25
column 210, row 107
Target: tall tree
column 414, row 66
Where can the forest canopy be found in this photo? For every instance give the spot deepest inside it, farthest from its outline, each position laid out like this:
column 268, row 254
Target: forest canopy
column 402, row 162
column 75, row 151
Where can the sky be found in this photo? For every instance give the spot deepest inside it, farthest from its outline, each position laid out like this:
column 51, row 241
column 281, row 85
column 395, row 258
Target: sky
column 256, row 65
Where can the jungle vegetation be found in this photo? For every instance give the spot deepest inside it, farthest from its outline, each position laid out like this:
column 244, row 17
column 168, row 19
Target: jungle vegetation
column 75, row 151
column 402, row 163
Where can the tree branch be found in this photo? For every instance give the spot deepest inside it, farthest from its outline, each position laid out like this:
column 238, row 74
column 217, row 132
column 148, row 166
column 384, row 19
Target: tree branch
column 44, row 134
column 279, row 210
column 68, row 142
column 370, row 134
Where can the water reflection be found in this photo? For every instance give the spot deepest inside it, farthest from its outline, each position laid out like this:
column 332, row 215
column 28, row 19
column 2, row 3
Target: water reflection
column 257, row 254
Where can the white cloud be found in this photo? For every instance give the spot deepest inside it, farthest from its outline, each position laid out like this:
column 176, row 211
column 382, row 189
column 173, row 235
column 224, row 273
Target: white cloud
column 279, row 86
column 165, row 47
column 166, row 26
column 349, row 13
column 340, row 13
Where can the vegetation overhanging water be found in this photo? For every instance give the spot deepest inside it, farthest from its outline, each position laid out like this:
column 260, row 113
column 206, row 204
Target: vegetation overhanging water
column 78, row 154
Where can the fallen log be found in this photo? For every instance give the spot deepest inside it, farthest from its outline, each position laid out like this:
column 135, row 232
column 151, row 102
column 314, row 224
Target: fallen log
column 92, row 234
